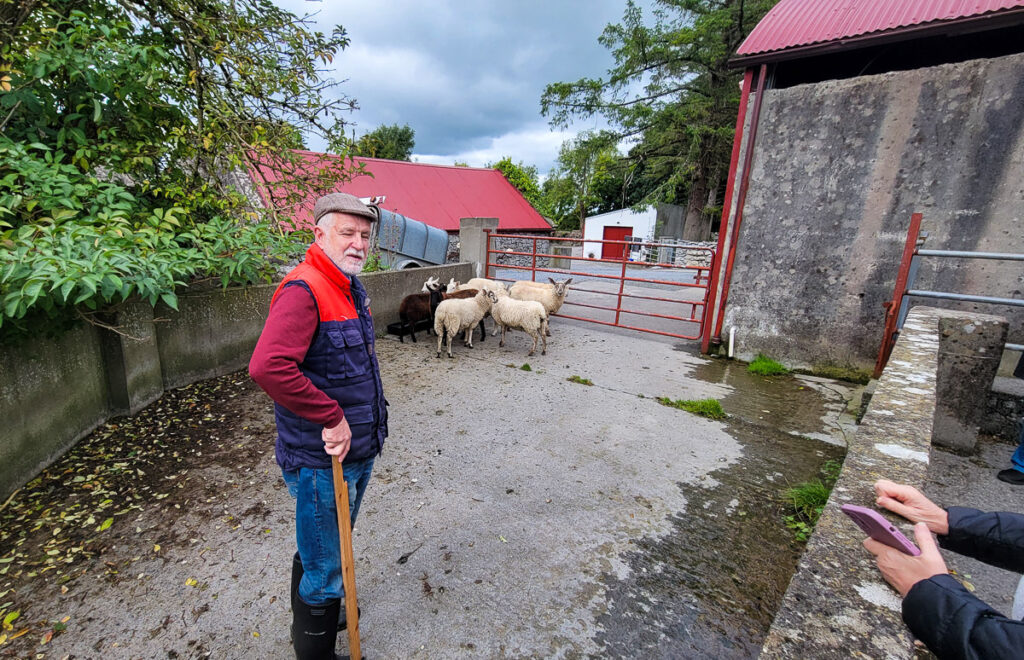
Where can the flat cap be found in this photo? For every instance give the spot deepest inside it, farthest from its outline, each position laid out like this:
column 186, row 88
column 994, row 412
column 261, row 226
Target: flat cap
column 341, row 203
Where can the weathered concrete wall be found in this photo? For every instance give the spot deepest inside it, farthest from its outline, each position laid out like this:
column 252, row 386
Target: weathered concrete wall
column 837, row 604
column 386, row 289
column 212, row 333
column 838, row 169
column 972, row 349
column 52, row 393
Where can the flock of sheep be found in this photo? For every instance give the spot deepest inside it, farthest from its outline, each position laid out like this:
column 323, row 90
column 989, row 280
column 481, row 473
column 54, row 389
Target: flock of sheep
column 456, row 308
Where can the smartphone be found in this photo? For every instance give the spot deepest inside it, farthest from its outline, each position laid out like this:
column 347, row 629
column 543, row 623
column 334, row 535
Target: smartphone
column 880, row 529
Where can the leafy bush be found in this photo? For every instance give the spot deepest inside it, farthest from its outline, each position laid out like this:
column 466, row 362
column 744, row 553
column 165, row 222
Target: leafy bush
column 124, row 128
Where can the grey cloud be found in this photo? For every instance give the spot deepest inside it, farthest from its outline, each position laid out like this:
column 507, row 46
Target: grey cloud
column 462, row 73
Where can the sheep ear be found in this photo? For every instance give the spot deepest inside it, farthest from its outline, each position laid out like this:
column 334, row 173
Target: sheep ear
column 568, row 281
column 552, row 281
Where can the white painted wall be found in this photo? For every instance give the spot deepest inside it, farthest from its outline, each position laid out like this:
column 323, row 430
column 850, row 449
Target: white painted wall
column 642, row 224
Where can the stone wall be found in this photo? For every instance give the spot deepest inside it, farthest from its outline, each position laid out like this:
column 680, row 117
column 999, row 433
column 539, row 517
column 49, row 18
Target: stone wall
column 837, row 603
column 839, row 167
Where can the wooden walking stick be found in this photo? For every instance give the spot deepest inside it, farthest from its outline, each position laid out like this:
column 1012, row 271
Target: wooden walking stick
column 348, row 568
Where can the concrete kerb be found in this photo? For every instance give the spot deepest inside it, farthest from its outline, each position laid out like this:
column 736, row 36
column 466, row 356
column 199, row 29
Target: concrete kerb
column 837, row 602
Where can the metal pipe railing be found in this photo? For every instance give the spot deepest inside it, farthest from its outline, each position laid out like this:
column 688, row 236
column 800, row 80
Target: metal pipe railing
column 907, row 274
column 1003, row 256
column 942, row 295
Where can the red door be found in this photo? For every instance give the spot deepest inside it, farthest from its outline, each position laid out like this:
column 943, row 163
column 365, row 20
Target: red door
column 614, row 250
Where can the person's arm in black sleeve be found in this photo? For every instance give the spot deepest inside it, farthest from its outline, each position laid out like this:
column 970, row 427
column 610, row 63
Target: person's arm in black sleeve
column 994, row 538
column 955, row 625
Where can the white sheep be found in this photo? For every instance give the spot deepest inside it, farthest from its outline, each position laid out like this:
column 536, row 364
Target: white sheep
column 454, row 315
column 526, row 315
column 485, row 284
column 550, row 295
column 453, row 284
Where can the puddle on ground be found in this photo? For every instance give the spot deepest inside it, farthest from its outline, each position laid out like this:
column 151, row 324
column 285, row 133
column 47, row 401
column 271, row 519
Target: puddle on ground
column 711, row 587
column 787, row 403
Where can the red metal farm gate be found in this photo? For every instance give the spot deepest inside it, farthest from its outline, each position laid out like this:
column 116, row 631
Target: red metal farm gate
column 661, row 288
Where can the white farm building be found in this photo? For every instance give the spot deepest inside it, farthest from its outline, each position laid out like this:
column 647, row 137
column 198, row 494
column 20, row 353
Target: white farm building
column 624, row 224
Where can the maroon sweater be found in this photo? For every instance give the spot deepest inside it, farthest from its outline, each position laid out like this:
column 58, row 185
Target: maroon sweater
column 274, row 366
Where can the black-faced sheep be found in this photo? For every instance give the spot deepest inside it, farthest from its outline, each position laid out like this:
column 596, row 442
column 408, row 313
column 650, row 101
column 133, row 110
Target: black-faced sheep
column 458, row 314
column 415, row 308
column 526, row 315
column 550, row 295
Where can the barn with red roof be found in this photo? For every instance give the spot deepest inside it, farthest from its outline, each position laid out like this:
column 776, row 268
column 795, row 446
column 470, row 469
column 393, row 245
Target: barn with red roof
column 438, row 195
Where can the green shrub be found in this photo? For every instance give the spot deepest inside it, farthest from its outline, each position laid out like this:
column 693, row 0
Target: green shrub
column 709, row 408
column 765, row 366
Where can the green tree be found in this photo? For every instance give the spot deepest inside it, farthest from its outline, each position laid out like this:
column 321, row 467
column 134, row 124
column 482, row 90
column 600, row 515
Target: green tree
column 392, row 142
column 586, row 167
column 522, row 177
column 672, row 91
column 126, row 130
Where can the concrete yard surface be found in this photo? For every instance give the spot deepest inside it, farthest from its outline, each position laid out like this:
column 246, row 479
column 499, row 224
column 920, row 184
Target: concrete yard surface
column 513, row 513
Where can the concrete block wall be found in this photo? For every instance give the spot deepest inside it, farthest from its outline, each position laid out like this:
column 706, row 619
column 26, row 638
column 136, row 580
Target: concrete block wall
column 839, row 167
column 52, row 393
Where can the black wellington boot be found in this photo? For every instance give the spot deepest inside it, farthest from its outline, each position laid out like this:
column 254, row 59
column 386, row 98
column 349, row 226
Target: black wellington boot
column 315, row 630
column 296, row 577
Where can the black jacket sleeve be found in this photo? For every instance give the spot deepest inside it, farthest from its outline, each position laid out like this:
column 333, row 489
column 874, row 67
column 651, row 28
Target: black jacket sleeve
column 954, row 624
column 994, row 538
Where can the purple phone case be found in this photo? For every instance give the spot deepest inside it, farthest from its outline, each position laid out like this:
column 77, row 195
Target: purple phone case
column 880, row 529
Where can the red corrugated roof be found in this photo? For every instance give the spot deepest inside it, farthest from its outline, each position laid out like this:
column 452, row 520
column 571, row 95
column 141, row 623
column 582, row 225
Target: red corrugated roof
column 796, row 23
column 438, row 195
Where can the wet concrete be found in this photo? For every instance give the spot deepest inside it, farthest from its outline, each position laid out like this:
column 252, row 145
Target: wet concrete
column 710, row 587
column 536, row 517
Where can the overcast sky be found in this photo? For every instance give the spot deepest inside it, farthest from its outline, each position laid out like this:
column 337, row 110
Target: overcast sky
column 466, row 75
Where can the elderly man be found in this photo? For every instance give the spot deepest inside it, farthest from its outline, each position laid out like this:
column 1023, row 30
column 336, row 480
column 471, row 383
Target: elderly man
column 316, row 360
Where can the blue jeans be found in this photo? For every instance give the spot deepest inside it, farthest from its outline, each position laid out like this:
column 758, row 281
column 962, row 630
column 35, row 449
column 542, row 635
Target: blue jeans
column 1018, row 456
column 316, row 526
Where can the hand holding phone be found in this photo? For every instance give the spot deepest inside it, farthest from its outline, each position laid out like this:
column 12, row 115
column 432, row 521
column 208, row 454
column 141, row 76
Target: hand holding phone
column 880, row 529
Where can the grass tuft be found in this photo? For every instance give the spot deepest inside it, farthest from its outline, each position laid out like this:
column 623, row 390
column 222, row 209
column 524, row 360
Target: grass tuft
column 709, row 408
column 580, row 380
column 807, row 500
column 765, row 366
column 526, row 367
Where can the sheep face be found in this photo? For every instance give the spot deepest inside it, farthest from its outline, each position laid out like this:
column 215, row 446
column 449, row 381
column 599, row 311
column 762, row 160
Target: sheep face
column 561, row 288
column 429, row 285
